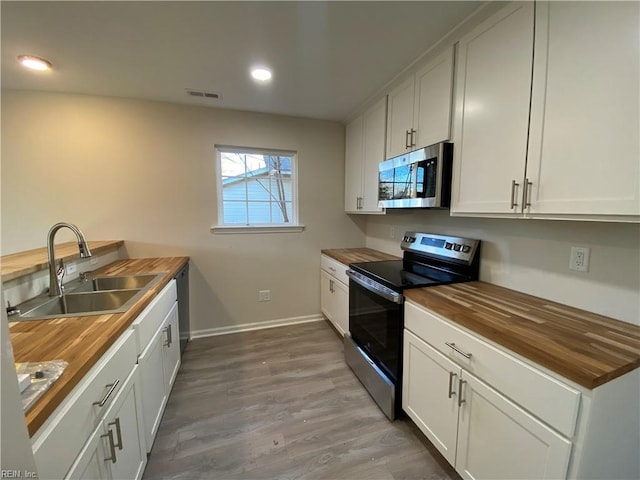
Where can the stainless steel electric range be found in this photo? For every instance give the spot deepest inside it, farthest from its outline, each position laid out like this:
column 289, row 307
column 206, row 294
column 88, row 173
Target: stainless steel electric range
column 376, row 307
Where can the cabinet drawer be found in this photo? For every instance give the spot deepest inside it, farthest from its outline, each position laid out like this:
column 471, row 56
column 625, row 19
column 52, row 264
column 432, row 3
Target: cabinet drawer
column 549, row 399
column 151, row 318
column 334, row 268
column 58, row 442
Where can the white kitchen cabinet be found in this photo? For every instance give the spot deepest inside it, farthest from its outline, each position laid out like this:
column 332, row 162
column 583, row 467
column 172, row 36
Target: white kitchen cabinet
column 154, row 394
column 584, row 147
column 116, row 449
column 557, row 138
column 159, row 360
column 494, row 414
column 493, row 87
column 365, row 137
column 419, row 108
column 334, row 293
column 478, row 430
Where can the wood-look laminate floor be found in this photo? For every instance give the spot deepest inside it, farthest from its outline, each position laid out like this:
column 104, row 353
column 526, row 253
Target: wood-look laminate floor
column 281, row 403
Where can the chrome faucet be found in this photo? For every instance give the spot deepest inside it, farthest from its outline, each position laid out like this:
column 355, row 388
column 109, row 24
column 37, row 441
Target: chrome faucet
column 55, row 275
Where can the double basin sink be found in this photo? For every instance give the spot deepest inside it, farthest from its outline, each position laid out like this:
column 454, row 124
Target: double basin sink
column 93, row 296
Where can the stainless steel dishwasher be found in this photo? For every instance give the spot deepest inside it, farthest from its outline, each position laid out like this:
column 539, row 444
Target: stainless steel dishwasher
column 182, row 284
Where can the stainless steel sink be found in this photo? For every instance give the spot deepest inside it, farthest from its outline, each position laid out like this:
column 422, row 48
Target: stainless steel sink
column 93, row 296
column 86, row 303
column 120, row 282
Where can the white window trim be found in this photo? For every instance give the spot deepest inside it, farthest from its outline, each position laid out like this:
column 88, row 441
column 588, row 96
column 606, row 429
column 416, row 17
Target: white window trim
column 225, row 230
column 295, row 226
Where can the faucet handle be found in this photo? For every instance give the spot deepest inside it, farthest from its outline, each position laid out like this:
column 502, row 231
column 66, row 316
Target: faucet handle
column 60, row 275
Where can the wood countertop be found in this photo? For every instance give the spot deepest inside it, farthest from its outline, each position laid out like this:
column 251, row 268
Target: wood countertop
column 81, row 341
column 18, row 264
column 355, row 255
column 584, row 347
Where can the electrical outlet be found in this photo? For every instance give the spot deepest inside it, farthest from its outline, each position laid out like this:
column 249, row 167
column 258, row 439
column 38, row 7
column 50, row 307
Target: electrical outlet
column 70, row 268
column 264, row 295
column 579, row 259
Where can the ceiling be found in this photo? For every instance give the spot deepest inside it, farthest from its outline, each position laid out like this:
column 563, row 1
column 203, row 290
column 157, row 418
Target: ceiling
column 327, row 57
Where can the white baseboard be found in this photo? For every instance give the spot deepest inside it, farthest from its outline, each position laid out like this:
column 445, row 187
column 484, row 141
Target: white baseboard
column 246, row 327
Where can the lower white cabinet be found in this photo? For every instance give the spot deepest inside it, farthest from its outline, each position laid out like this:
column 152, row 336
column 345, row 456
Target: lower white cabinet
column 334, row 294
column 116, row 449
column 476, row 428
column 159, row 363
column 496, row 415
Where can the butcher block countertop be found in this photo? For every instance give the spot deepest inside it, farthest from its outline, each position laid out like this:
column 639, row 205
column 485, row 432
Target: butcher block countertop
column 18, row 264
column 355, row 255
column 584, row 347
column 81, row 341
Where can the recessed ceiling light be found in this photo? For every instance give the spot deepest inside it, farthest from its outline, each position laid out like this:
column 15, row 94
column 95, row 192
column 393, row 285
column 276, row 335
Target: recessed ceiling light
column 34, row 63
column 261, row 74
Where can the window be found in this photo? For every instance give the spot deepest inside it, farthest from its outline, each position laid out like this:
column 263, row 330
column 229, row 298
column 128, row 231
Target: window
column 256, row 190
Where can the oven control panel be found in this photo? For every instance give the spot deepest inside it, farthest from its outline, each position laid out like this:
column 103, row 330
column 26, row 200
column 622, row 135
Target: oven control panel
column 458, row 248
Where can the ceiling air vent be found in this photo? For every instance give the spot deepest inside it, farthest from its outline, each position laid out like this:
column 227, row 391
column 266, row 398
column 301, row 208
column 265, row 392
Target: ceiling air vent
column 200, row 93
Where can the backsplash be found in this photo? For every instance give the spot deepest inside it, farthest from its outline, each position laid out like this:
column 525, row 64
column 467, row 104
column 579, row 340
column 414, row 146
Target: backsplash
column 532, row 256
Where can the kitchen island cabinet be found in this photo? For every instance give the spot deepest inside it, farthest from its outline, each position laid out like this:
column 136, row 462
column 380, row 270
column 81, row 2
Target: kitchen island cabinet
column 507, row 385
column 561, row 142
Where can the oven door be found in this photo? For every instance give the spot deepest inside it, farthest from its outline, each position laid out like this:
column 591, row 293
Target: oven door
column 376, row 324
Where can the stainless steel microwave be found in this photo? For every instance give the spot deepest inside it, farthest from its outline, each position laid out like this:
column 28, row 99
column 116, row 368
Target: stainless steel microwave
column 419, row 179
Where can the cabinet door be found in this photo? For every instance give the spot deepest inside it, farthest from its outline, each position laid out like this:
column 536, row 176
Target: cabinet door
column 374, row 140
column 341, row 306
column 353, row 164
column 90, row 463
column 497, row 439
column 171, row 348
column 400, row 118
column 585, row 146
column 493, row 86
column 326, row 296
column 124, row 422
column 432, row 111
column 154, row 393
column 429, row 393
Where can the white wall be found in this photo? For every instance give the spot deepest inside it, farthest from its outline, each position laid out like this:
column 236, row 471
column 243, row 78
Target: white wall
column 144, row 172
column 532, row 256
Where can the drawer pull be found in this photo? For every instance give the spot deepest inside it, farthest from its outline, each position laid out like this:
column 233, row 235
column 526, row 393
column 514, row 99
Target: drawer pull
column 451, row 377
column 332, row 269
column 112, row 388
column 118, row 432
column 112, row 447
column 453, row 345
column 461, row 382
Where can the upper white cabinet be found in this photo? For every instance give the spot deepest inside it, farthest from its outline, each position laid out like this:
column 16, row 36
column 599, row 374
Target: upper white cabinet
column 419, row 111
column 557, row 138
column 365, row 137
column 584, row 147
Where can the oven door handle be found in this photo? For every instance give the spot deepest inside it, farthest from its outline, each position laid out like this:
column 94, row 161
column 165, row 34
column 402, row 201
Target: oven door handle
column 376, row 288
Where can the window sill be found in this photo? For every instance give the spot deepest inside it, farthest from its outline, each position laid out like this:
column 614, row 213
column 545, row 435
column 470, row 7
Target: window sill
column 225, row 230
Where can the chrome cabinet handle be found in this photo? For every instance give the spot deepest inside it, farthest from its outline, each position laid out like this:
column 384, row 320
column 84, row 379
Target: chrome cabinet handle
column 112, row 388
column 526, row 194
column 514, row 187
column 461, row 400
column 406, row 139
column 413, row 138
column 116, row 423
column 451, row 377
column 455, row 347
column 112, row 447
column 169, row 335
